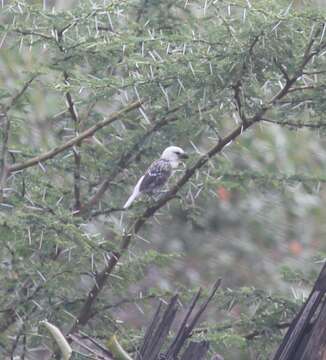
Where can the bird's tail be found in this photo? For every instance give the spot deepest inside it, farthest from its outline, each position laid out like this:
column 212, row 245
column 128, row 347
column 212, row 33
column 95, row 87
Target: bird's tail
column 134, row 194
column 131, row 199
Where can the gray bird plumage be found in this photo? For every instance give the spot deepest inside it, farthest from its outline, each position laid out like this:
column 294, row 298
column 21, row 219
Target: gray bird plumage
column 156, row 176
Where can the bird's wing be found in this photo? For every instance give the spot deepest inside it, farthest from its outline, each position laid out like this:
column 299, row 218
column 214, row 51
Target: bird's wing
column 155, row 176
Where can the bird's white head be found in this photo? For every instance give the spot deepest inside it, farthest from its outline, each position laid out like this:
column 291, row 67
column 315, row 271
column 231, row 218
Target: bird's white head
column 174, row 155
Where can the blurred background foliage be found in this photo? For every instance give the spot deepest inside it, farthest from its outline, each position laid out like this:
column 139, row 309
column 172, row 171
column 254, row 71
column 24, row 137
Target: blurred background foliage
column 253, row 216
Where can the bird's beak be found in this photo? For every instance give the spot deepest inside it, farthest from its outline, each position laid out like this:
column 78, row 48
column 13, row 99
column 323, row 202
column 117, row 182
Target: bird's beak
column 184, row 156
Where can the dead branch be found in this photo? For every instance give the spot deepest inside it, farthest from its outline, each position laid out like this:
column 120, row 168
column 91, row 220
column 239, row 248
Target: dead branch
column 185, row 329
column 158, row 330
column 305, row 338
column 161, row 324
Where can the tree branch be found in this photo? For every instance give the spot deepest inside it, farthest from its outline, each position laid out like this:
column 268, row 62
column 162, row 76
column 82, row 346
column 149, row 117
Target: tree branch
column 87, row 133
column 127, row 158
column 308, row 55
column 76, row 149
column 186, row 329
column 4, row 172
column 3, row 154
column 299, row 124
column 238, row 102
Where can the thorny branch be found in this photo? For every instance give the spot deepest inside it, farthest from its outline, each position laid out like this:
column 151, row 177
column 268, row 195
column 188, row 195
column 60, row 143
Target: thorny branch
column 4, row 172
column 76, row 149
column 87, row 133
column 298, row 124
column 101, row 278
column 237, row 86
column 127, row 158
column 4, row 151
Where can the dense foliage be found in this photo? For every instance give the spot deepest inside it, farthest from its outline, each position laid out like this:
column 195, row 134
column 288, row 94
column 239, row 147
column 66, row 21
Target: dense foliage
column 89, row 97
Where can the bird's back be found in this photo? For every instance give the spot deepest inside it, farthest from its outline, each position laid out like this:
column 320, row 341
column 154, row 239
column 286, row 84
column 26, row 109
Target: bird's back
column 156, row 176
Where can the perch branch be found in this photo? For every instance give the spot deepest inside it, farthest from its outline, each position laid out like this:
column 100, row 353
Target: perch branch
column 123, row 162
column 127, row 158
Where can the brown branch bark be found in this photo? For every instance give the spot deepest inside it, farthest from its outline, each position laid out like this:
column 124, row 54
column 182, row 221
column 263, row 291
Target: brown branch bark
column 4, row 171
column 87, row 133
column 186, row 329
column 76, row 149
column 4, row 153
column 158, row 330
column 161, row 324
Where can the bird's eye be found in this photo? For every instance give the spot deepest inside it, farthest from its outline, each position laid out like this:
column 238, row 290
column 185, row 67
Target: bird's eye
column 177, row 152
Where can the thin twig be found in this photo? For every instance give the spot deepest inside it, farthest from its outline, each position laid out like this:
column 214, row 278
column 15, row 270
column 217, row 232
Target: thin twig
column 4, row 153
column 282, row 69
column 238, row 102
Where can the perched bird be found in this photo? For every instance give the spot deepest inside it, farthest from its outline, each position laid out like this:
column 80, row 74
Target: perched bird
column 158, row 173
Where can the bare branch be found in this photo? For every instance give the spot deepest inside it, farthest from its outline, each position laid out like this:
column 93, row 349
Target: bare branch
column 186, row 329
column 87, row 133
